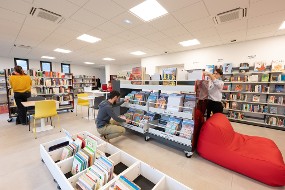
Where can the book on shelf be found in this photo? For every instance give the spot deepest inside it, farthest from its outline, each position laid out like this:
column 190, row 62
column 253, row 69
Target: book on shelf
column 271, row 99
column 161, row 102
column 275, row 78
column 152, row 99
column 235, row 115
column 282, row 78
column 189, row 103
column 273, row 110
column 137, row 74
column 265, row 78
column 187, row 129
column 169, row 74
column 227, row 87
column 279, row 88
column 259, row 67
column 277, row 66
column 227, row 68
column 253, row 78
column 175, row 102
column 226, row 78
column 238, row 87
column 210, row 68
column 234, row 105
column 243, row 67
column 273, row 120
column 173, row 125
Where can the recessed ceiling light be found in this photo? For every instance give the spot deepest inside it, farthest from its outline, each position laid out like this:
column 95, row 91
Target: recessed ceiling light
column 127, row 21
column 148, row 10
column 108, row 59
column 88, row 38
column 137, row 53
column 62, row 50
column 47, row 57
column 89, row 63
column 282, row 26
column 189, row 42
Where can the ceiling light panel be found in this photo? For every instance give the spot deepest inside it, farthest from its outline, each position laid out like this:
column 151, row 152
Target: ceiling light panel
column 189, row 43
column 89, row 63
column 138, row 53
column 148, row 10
column 282, row 27
column 62, row 50
column 88, row 38
column 108, row 59
column 47, row 57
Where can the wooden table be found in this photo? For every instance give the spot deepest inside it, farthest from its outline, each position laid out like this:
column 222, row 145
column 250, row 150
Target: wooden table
column 43, row 126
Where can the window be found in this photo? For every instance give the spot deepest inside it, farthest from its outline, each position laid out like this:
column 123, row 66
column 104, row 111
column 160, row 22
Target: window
column 46, row 66
column 24, row 63
column 65, row 68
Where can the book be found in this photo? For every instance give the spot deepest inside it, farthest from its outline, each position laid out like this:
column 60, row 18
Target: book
column 138, row 75
column 265, row 78
column 169, row 74
column 253, row 78
column 271, row 99
column 175, row 103
column 243, row 67
column 259, row 67
column 227, row 68
column 189, row 103
column 279, row 88
column 282, row 77
column 277, row 66
column 238, row 87
column 173, row 126
column 210, row 68
column 273, row 110
column 187, row 129
column 255, row 98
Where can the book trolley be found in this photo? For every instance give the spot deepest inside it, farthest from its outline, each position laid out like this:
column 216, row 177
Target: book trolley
column 145, row 176
column 154, row 129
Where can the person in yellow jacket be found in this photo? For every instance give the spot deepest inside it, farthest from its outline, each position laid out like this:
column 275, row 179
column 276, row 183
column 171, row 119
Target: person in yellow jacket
column 21, row 85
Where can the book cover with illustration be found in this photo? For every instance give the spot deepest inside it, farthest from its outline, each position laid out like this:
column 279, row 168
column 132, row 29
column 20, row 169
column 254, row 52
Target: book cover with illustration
column 265, row 78
column 279, row 88
column 243, row 67
column 277, row 66
column 169, row 74
column 137, row 75
column 259, row 67
column 227, row 68
column 173, row 125
column 187, row 129
column 210, row 68
column 256, row 98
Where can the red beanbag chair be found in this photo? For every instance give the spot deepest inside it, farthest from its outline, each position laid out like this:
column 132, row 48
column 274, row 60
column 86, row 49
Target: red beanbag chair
column 255, row 157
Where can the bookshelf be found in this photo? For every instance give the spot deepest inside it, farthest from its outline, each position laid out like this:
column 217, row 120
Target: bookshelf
column 157, row 129
column 81, row 81
column 255, row 98
column 134, row 169
column 3, row 93
column 51, row 85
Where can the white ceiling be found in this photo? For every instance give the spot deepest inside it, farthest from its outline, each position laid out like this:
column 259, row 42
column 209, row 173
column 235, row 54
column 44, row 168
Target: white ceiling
column 187, row 19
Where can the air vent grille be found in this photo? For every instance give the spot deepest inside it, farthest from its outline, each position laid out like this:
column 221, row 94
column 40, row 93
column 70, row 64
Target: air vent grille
column 46, row 14
column 231, row 15
column 22, row 46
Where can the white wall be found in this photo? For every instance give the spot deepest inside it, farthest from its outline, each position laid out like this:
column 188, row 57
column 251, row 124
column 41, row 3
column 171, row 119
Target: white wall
column 6, row 63
column 112, row 69
column 266, row 49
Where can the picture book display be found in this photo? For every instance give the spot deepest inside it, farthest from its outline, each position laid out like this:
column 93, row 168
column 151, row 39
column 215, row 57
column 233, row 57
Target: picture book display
column 168, row 75
column 259, row 67
column 227, row 68
column 277, row 66
column 187, row 129
column 243, row 67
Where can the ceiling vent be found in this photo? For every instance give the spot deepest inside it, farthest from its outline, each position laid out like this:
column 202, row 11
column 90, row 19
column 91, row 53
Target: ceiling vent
column 47, row 15
column 231, row 15
column 22, row 46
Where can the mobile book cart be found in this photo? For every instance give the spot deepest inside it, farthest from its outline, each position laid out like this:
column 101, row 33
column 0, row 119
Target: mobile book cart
column 126, row 165
column 154, row 129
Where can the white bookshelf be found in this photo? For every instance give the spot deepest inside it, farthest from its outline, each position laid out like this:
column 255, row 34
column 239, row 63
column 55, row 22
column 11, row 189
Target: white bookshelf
column 135, row 167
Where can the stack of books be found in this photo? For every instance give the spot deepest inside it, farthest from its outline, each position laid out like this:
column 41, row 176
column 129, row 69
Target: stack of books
column 97, row 175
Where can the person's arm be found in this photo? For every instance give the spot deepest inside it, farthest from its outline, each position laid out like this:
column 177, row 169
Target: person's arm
column 118, row 104
column 215, row 82
column 112, row 114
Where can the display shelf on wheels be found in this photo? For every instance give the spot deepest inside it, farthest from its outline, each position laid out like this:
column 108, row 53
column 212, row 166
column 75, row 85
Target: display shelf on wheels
column 156, row 129
column 125, row 165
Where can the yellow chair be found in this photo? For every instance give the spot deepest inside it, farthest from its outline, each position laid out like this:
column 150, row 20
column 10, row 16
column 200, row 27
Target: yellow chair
column 44, row 109
column 81, row 102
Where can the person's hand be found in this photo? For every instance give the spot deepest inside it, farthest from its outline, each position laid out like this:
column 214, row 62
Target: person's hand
column 128, row 121
column 206, row 73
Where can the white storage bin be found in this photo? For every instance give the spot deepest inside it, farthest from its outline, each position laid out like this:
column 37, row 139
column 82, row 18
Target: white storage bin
column 108, row 149
column 122, row 161
column 167, row 183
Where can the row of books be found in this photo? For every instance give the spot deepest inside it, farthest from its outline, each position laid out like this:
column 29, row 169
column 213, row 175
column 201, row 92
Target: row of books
column 254, row 88
column 176, row 126
column 50, row 90
column 51, row 82
column 124, row 183
column 252, row 108
column 171, row 102
column 84, row 76
column 277, row 121
column 37, row 73
column 100, row 173
column 139, row 117
column 235, row 115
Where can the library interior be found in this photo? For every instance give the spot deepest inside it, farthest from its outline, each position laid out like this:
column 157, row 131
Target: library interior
column 142, row 94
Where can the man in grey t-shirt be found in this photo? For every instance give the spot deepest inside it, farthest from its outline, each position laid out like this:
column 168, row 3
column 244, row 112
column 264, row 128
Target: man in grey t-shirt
column 106, row 127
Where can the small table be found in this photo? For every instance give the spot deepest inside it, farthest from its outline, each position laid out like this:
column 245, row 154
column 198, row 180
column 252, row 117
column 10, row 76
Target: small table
column 43, row 126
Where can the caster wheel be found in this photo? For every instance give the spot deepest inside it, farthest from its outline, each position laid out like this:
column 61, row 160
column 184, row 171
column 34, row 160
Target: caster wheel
column 10, row 120
column 71, row 110
column 58, row 187
column 146, row 138
column 188, row 154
